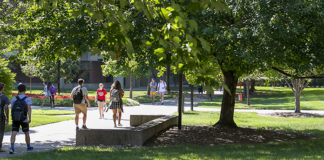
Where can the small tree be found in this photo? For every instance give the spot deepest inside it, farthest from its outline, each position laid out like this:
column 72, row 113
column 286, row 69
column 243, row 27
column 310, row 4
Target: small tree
column 30, row 70
column 297, row 86
column 52, row 71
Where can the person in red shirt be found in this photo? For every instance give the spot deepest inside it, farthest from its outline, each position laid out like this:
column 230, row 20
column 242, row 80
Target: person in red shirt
column 101, row 99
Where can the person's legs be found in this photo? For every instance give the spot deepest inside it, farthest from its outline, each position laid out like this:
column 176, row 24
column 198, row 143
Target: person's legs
column 119, row 116
column 2, row 128
column 25, row 129
column 12, row 142
column 53, row 104
column 99, row 106
column 162, row 97
column 114, row 116
column 77, row 119
column 13, row 137
column 84, row 112
column 27, row 138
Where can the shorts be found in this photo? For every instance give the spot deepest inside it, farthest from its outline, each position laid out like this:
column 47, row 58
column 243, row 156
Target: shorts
column 16, row 126
column 162, row 93
column 152, row 93
column 78, row 108
column 101, row 100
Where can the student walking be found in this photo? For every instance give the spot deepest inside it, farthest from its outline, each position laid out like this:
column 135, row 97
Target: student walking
column 52, row 91
column 153, row 86
column 161, row 90
column 79, row 95
column 4, row 113
column 21, row 116
column 116, row 95
column 47, row 93
column 101, row 99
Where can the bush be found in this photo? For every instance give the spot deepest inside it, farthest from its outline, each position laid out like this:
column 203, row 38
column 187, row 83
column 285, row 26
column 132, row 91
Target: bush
column 6, row 77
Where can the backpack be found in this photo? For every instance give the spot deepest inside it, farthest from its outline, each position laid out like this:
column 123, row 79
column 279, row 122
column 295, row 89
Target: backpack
column 114, row 96
column 77, row 95
column 52, row 90
column 19, row 110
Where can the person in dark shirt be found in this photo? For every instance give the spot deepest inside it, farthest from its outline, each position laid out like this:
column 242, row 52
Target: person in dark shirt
column 4, row 113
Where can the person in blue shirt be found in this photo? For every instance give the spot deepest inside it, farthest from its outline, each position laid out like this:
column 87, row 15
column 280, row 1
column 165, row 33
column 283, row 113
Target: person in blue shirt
column 24, row 124
column 153, row 87
column 4, row 112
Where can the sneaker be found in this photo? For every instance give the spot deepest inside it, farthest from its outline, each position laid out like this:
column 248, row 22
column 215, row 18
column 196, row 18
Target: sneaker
column 77, row 128
column 11, row 151
column 30, row 148
column 84, row 127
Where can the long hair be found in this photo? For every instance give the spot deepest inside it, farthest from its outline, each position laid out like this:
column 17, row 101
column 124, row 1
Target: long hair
column 48, row 85
column 116, row 85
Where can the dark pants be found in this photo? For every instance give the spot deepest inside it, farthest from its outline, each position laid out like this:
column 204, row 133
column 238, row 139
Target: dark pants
column 2, row 129
column 52, row 100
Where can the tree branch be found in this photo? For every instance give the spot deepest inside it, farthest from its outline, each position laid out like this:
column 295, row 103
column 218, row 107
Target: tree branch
column 290, row 75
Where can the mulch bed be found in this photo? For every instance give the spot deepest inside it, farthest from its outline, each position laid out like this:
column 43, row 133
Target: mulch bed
column 209, row 135
column 294, row 115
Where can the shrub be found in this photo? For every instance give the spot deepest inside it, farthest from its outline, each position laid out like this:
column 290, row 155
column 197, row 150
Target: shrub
column 6, row 77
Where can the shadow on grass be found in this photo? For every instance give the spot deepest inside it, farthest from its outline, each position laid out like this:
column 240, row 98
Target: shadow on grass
column 300, row 149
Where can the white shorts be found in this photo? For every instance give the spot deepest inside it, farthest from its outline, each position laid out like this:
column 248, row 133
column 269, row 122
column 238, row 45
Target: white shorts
column 162, row 93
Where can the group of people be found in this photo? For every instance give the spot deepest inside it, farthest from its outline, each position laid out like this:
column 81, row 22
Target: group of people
column 21, row 108
column 20, row 115
column 80, row 98
column 159, row 88
column 49, row 93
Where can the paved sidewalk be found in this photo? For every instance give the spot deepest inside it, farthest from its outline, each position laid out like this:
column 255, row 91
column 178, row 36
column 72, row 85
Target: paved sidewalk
column 61, row 134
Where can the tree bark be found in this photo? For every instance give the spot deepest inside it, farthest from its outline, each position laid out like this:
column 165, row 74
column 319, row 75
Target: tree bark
column 131, row 87
column 252, row 90
column 58, row 76
column 180, row 102
column 247, row 92
column 226, row 118
column 168, row 79
column 297, row 86
column 297, row 103
column 192, row 97
column 30, row 85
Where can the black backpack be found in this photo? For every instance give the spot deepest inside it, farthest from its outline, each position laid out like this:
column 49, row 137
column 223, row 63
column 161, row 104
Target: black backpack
column 115, row 97
column 19, row 110
column 77, row 96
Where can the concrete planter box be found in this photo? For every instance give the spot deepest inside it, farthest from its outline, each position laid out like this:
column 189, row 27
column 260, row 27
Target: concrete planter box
column 136, row 136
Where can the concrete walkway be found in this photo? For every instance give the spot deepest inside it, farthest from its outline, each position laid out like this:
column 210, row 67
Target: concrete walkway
column 61, row 134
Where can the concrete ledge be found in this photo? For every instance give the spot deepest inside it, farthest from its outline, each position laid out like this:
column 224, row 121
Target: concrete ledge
column 136, row 120
column 133, row 136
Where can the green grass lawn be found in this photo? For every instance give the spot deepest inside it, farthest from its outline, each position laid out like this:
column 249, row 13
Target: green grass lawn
column 42, row 117
column 299, row 149
column 276, row 98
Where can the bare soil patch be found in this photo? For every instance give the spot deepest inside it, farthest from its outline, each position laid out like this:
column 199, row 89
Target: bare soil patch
column 294, row 115
column 209, row 135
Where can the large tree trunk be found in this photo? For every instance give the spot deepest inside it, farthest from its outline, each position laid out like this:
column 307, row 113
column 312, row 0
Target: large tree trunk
column 58, row 76
column 226, row 118
column 180, row 102
column 131, row 87
column 168, row 79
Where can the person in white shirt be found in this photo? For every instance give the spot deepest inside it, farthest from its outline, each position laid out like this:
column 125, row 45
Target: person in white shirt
column 161, row 90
